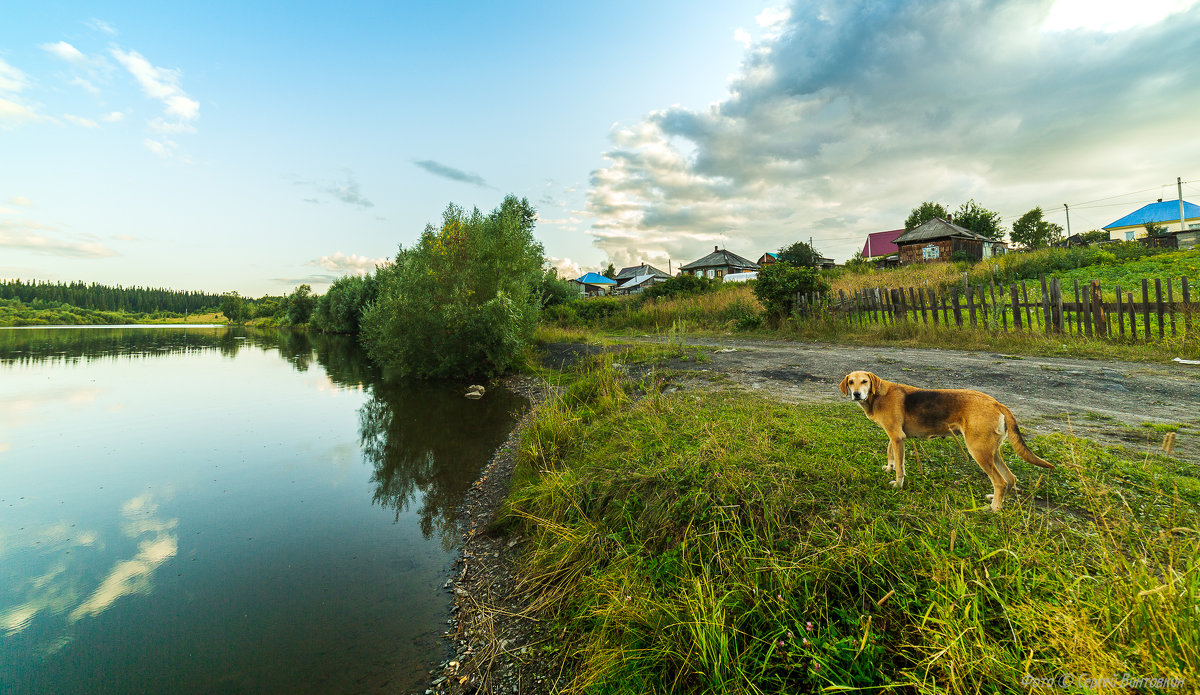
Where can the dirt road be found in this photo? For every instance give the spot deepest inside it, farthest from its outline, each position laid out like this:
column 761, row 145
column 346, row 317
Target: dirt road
column 1104, row 400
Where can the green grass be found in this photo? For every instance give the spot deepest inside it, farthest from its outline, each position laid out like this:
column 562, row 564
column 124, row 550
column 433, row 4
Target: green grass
column 710, row 542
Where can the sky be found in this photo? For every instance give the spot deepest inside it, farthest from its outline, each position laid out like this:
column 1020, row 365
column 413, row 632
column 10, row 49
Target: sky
column 256, row 146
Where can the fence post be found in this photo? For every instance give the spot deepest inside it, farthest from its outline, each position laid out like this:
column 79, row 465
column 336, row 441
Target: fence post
column 1158, row 305
column 1146, row 306
column 1187, row 307
column 1047, row 317
column 1171, row 305
column 1086, row 308
column 1098, row 320
column 1120, row 314
column 1016, row 306
column 971, row 305
column 1025, row 301
column 958, row 320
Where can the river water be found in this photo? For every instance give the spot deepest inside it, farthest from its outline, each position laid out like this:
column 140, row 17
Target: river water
column 207, row 509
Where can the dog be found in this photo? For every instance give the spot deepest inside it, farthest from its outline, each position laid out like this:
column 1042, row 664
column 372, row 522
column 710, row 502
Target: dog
column 907, row 411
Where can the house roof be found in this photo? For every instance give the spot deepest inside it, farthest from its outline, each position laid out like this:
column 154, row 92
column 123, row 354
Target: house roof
column 720, row 258
column 640, row 280
column 636, row 270
column 881, row 243
column 595, row 279
column 1162, row 211
column 937, row 228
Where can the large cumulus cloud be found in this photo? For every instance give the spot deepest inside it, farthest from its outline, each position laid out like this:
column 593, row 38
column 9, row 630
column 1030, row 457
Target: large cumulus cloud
column 855, row 112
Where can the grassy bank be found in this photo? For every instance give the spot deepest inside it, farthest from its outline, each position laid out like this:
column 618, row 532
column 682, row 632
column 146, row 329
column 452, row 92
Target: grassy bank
column 709, row 542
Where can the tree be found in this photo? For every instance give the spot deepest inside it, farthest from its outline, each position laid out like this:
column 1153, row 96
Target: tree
column 340, row 309
column 1094, row 236
column 300, row 305
column 464, row 300
column 970, row 215
column 925, row 212
column 234, row 307
column 610, row 272
column 554, row 290
column 1032, row 231
column 777, row 285
column 1153, row 230
column 799, row 255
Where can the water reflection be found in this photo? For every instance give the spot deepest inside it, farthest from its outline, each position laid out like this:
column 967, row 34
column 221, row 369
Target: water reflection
column 423, row 440
column 405, row 438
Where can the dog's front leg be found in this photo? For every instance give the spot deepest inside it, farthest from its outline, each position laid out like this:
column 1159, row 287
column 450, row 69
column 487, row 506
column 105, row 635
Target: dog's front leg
column 890, row 458
column 896, row 448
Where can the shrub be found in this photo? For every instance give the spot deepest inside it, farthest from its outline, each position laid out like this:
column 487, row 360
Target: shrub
column 680, row 286
column 462, row 302
column 340, row 309
column 778, row 284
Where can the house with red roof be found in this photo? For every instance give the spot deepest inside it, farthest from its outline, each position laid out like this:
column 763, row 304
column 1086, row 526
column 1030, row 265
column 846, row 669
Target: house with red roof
column 881, row 244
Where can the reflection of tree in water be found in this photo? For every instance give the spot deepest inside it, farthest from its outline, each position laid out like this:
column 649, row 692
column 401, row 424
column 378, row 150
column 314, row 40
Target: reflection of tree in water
column 428, row 443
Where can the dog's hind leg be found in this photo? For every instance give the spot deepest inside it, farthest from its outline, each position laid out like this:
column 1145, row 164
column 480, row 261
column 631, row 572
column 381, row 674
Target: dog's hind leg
column 983, row 450
column 890, row 457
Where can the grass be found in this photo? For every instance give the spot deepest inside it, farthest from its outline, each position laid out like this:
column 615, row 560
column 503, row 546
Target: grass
column 710, row 542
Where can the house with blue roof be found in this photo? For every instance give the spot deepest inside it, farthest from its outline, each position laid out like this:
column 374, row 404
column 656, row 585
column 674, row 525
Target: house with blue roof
column 1164, row 213
column 592, row 284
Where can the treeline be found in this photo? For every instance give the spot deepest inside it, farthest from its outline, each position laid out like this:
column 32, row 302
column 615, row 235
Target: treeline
column 99, row 297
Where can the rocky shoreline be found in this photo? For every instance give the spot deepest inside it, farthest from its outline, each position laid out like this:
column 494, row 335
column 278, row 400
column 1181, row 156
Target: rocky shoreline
column 494, row 644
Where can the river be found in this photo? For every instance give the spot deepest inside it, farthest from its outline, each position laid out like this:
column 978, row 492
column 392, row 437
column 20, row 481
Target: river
column 210, row 509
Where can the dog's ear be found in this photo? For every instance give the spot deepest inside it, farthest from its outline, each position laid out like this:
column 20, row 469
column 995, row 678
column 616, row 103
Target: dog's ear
column 843, row 386
column 875, row 383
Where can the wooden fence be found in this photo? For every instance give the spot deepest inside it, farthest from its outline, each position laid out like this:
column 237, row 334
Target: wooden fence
column 1148, row 312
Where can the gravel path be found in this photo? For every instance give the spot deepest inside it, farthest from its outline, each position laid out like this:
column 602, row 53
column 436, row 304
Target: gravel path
column 1104, row 400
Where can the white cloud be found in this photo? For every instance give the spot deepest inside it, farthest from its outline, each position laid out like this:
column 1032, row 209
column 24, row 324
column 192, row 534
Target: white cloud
column 353, row 264
column 164, row 148
column 565, row 267
column 21, row 235
column 65, row 51
column 20, row 200
column 112, row 117
column 159, row 83
column 12, row 80
column 163, row 126
column 81, row 121
column 742, row 36
column 101, row 26
column 856, row 112
column 1111, row 16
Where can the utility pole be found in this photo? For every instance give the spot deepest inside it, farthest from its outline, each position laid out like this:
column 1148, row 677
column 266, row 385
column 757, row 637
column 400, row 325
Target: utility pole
column 1068, row 224
column 1179, row 183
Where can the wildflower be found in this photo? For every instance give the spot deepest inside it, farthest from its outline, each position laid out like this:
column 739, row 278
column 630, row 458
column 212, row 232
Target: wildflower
column 803, row 640
column 790, row 635
column 779, row 597
column 781, row 643
column 818, row 665
column 808, row 626
column 628, row 599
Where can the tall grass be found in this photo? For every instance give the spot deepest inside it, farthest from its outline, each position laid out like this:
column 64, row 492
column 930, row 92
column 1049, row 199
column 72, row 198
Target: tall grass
column 722, row 309
column 707, row 542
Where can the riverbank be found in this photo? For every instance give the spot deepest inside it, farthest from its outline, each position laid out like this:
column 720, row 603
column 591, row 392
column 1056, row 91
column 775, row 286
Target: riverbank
column 686, row 525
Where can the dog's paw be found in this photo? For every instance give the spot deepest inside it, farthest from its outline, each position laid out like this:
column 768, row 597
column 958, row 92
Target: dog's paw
column 889, row 467
column 898, row 484
column 990, row 497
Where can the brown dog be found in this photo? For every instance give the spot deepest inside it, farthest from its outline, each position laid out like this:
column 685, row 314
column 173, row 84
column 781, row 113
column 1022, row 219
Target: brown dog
column 907, row 411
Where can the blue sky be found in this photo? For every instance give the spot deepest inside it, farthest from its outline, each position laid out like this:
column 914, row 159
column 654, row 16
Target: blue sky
column 254, row 146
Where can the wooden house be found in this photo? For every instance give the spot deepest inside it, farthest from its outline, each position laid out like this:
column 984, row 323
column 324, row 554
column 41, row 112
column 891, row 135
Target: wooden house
column 939, row 240
column 718, row 264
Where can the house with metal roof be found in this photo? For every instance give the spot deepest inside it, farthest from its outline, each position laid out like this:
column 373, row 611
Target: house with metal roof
column 881, row 244
column 1164, row 213
column 718, row 264
column 634, row 271
column 939, row 240
column 592, row 284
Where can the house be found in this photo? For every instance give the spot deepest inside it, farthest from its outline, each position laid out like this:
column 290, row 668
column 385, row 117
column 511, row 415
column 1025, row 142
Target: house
column 769, row 258
column 718, row 264
column 1164, row 213
column 939, row 240
column 593, row 284
column 880, row 245
column 638, row 283
column 636, row 271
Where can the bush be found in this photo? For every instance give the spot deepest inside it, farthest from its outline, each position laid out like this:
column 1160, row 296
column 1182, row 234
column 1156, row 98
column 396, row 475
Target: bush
column 680, row 286
column 340, row 309
column 463, row 302
column 778, row 284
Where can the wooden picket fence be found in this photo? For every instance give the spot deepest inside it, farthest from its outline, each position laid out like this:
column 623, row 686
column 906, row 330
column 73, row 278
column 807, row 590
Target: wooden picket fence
column 1151, row 314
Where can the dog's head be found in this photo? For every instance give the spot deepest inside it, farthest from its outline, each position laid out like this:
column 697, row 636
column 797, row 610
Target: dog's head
column 860, row 385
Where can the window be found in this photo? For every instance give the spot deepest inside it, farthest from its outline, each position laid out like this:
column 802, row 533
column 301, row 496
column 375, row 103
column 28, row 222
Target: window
column 929, row 252
column 1193, row 225
column 1129, row 236
column 710, row 272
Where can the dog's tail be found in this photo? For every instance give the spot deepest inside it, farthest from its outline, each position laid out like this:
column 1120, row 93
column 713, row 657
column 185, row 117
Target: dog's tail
column 1018, row 441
